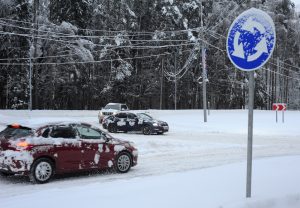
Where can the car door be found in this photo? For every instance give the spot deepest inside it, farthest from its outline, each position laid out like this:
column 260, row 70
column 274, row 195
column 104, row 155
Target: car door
column 132, row 122
column 67, row 148
column 121, row 121
column 96, row 151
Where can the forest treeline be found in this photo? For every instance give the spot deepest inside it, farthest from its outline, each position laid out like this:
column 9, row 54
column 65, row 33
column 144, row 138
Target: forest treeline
column 145, row 53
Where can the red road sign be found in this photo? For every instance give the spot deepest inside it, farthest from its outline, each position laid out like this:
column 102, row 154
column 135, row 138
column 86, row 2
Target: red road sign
column 279, row 106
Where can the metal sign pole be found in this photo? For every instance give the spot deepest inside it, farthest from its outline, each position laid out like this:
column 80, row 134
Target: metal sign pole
column 204, row 75
column 250, row 133
column 204, row 84
column 276, row 116
column 247, row 59
column 283, row 116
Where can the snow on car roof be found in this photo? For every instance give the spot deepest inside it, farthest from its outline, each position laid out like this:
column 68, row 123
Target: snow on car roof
column 116, row 104
column 36, row 123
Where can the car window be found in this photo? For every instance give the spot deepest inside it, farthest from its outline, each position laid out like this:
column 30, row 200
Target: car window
column 89, row 133
column 109, row 118
column 144, row 116
column 46, row 132
column 112, row 106
column 131, row 116
column 121, row 115
column 63, row 132
column 124, row 107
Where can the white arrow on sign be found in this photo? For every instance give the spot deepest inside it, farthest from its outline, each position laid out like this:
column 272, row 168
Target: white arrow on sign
column 284, row 107
column 261, row 48
column 250, row 24
column 277, row 107
column 238, row 48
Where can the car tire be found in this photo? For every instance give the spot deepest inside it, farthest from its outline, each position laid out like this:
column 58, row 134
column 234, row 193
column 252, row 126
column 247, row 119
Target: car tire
column 112, row 128
column 123, row 162
column 41, row 171
column 146, row 130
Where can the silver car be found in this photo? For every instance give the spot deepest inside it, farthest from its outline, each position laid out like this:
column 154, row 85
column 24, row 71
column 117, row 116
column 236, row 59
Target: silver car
column 111, row 109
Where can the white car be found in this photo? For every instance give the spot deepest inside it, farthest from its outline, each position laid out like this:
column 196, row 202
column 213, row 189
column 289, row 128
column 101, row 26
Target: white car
column 111, row 109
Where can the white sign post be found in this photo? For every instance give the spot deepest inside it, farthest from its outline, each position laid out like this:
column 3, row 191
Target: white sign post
column 250, row 43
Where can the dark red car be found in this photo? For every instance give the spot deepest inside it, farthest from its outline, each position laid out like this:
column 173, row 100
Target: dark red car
column 62, row 148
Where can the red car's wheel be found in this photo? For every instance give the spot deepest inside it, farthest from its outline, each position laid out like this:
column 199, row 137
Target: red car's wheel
column 41, row 171
column 123, row 162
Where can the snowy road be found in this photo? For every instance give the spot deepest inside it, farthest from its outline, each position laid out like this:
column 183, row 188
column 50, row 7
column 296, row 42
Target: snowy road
column 190, row 144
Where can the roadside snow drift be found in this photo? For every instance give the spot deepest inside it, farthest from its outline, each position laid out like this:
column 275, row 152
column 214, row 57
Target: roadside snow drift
column 275, row 185
column 173, row 169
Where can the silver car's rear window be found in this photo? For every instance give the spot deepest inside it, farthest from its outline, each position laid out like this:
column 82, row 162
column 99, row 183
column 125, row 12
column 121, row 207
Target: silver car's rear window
column 115, row 107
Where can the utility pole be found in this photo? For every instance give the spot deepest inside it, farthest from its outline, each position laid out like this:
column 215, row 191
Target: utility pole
column 161, row 83
column 30, row 78
column 32, row 50
column 203, row 67
column 34, row 67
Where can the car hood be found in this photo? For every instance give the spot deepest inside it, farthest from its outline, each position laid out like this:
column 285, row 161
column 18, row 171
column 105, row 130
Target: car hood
column 155, row 121
column 118, row 141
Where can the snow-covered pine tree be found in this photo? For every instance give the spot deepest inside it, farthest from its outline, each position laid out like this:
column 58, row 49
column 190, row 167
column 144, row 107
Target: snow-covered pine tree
column 14, row 77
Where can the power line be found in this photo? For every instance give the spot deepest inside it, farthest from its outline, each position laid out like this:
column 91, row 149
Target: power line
column 65, row 35
column 289, row 65
column 184, row 69
column 89, row 62
column 283, row 75
column 94, row 44
column 112, row 31
column 232, row 11
column 289, row 70
column 110, row 49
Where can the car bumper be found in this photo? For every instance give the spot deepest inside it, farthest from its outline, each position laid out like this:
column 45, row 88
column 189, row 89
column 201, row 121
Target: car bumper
column 135, row 158
column 100, row 117
column 15, row 162
column 160, row 129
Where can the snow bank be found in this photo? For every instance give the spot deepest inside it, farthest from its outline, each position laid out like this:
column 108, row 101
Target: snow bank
column 170, row 171
column 275, row 185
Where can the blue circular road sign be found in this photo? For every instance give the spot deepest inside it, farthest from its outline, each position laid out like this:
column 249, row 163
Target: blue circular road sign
column 251, row 40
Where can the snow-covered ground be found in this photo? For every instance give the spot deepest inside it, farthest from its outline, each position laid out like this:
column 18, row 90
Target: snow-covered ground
column 171, row 170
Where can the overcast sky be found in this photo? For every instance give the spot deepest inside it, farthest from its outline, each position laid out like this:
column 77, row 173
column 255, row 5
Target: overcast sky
column 296, row 1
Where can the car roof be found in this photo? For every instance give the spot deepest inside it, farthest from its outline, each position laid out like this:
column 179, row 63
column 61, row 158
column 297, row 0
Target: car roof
column 35, row 126
column 126, row 112
column 115, row 104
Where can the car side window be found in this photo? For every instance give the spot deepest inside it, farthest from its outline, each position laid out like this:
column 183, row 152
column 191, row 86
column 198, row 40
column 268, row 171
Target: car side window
column 131, row 116
column 124, row 107
column 88, row 133
column 46, row 132
column 66, row 132
column 121, row 115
